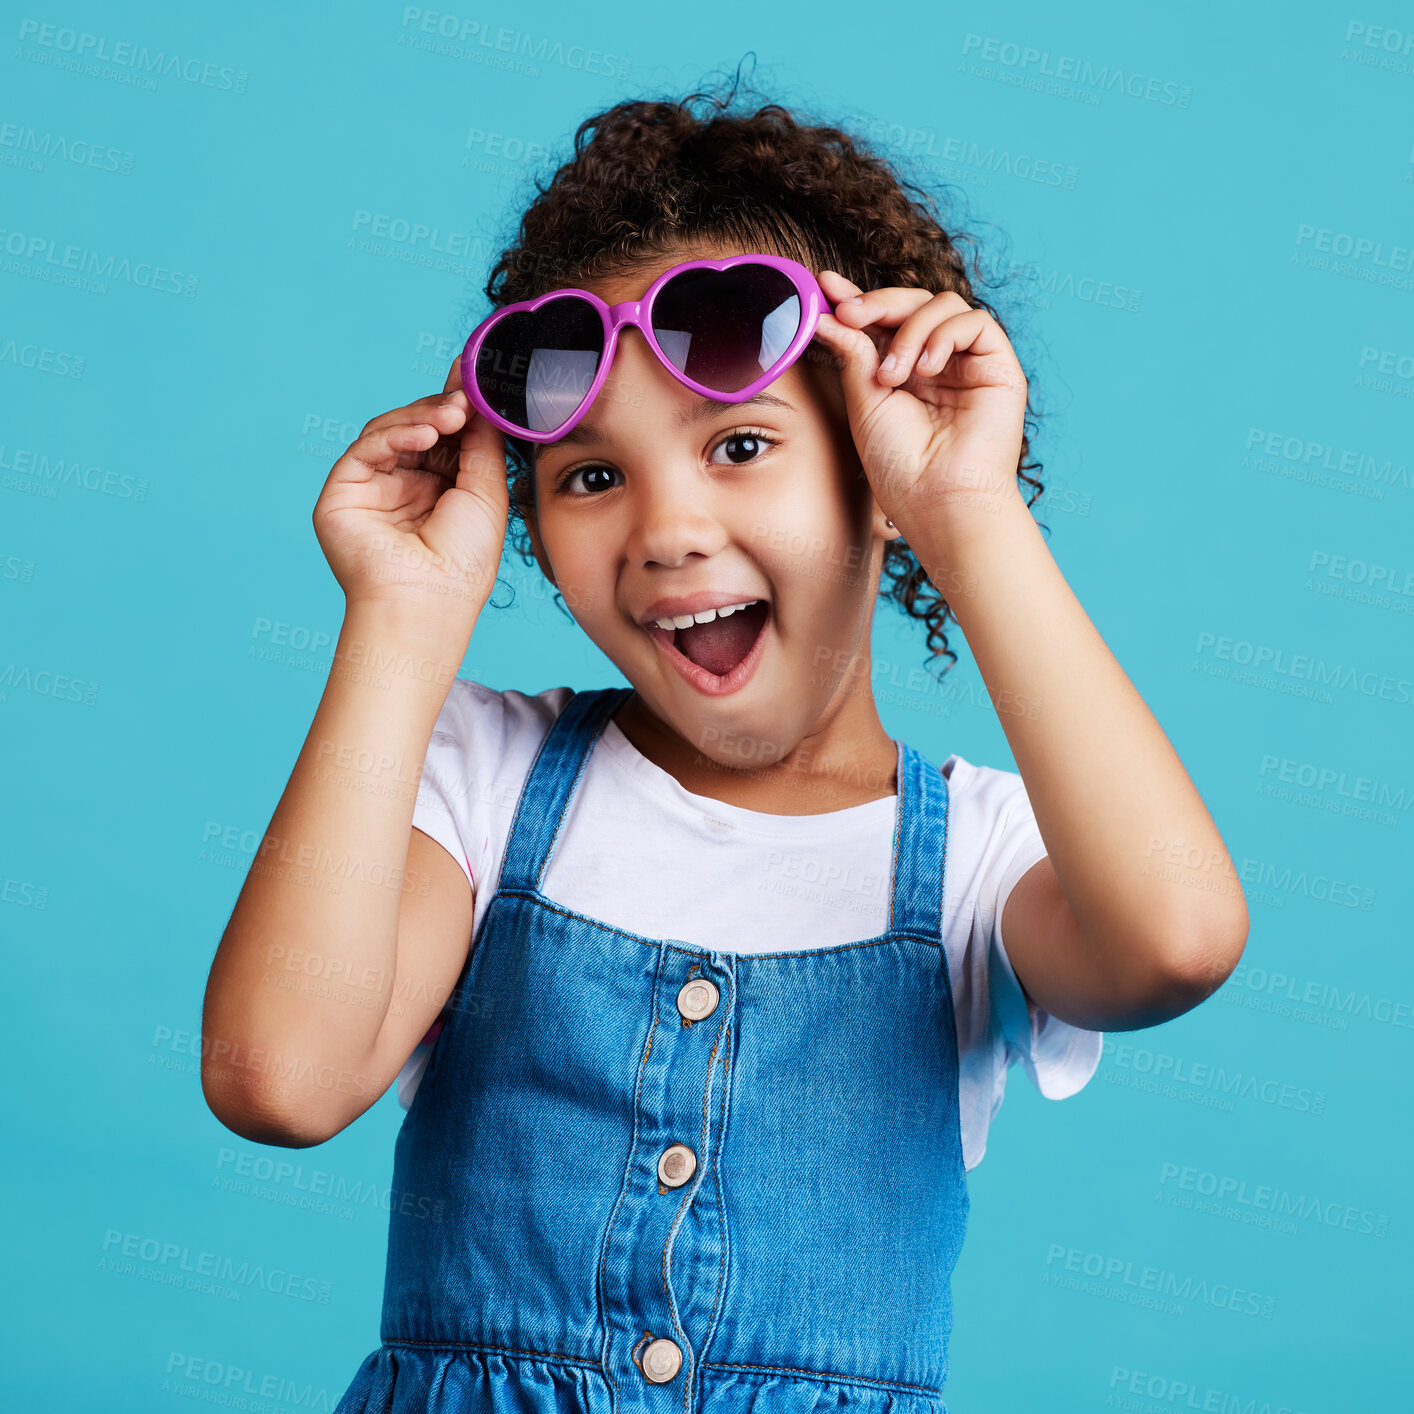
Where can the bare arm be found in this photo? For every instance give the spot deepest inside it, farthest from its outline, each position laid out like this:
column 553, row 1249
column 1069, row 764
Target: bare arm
column 1136, row 914
column 351, row 928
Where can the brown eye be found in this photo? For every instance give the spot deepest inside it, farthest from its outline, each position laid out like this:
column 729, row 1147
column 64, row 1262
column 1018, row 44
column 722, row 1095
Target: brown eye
column 594, row 479
column 743, row 447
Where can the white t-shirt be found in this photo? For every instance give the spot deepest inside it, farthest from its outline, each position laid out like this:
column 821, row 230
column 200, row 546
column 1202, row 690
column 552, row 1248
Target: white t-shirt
column 817, row 877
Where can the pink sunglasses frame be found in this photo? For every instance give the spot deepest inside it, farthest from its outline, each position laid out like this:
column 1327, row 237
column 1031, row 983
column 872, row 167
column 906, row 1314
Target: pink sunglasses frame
column 639, row 314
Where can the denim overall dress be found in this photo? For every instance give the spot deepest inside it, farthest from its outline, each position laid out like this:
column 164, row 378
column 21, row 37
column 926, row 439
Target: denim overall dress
column 674, row 1178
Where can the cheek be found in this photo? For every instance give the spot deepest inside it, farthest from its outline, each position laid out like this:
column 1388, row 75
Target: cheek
column 815, row 491
column 579, row 572
column 827, row 512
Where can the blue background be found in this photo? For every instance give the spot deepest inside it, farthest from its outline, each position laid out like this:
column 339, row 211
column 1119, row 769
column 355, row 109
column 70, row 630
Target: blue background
column 1227, row 393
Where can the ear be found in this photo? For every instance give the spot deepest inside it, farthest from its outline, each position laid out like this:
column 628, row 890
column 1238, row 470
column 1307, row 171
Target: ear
column 883, row 528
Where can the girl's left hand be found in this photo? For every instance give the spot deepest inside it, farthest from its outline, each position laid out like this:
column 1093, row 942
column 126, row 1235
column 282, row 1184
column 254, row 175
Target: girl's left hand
column 938, row 424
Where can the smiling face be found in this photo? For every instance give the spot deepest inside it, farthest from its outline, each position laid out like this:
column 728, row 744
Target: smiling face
column 661, row 504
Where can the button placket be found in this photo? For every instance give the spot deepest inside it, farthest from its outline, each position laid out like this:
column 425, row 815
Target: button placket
column 697, row 999
column 663, row 1258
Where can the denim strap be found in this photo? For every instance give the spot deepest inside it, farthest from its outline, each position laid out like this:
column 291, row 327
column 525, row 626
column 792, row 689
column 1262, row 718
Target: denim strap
column 920, row 847
column 554, row 777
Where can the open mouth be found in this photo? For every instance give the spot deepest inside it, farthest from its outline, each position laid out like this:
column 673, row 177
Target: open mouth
column 722, row 644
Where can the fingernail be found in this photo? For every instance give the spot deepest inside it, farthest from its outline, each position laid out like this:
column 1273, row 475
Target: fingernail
column 888, row 363
column 855, row 299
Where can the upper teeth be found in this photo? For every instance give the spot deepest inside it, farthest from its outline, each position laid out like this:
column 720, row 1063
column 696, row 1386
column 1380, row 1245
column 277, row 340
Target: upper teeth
column 704, row 617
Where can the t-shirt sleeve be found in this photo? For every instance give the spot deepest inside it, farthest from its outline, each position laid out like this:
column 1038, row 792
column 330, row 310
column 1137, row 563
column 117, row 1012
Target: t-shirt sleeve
column 1057, row 1057
column 451, row 796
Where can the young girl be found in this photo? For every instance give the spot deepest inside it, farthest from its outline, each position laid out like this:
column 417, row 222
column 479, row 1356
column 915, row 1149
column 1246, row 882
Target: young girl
column 708, row 972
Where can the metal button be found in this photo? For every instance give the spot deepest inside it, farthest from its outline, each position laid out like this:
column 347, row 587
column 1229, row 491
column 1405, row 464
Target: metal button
column 698, row 998
column 661, row 1361
column 676, row 1165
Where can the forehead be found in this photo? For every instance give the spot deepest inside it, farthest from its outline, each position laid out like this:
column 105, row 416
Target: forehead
column 631, row 282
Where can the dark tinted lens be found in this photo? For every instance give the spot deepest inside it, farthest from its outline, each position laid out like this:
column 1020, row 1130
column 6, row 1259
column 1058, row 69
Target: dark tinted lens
column 725, row 328
column 535, row 367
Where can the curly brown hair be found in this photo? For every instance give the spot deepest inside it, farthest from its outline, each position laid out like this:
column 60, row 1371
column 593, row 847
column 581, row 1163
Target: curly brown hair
column 649, row 178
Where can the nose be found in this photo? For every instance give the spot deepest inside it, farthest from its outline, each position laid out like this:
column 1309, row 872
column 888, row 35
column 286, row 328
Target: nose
column 673, row 516
column 672, row 499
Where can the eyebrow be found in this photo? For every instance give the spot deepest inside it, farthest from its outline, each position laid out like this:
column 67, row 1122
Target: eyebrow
column 700, row 411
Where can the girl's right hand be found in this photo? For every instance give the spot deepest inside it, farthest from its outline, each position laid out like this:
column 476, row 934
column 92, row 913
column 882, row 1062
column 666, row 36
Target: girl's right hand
column 414, row 513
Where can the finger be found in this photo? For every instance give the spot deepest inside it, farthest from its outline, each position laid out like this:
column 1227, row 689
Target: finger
column 970, row 330
column 371, row 474
column 454, row 376
column 397, row 446
column 912, row 334
column 836, row 286
column 420, row 410
column 878, row 312
column 887, row 308
column 467, row 443
column 445, row 414
column 856, row 360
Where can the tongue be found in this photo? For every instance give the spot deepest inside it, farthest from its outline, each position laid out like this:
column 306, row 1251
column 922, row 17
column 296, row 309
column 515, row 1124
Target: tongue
column 721, row 644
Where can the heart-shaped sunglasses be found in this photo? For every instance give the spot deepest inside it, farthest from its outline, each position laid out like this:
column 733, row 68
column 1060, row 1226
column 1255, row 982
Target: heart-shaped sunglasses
column 723, row 328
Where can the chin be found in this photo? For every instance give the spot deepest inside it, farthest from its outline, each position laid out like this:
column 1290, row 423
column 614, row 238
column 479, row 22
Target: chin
column 750, row 731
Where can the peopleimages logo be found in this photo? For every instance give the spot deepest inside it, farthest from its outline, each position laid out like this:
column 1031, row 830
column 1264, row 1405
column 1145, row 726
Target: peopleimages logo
column 1274, row 883
column 1120, row 1278
column 1287, row 994
column 1379, row 46
column 1041, row 286
column 175, row 1264
column 45, row 472
column 61, row 47
column 1356, row 247
column 1067, row 69
column 1334, row 792
column 306, row 1187
column 216, row 1382
column 1136, row 1386
column 922, row 144
column 1310, row 775
column 461, row 37
column 1267, row 1198
column 31, row 148
column 1263, row 658
column 1317, row 456
column 33, row 253
column 1216, row 1079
